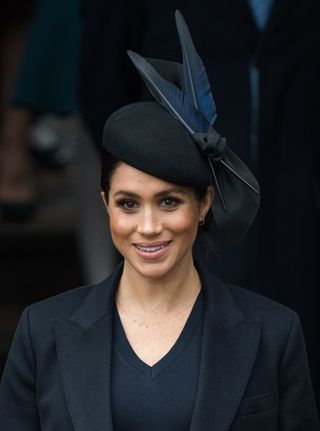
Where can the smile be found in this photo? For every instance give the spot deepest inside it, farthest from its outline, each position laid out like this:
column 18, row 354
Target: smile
column 152, row 248
column 152, row 251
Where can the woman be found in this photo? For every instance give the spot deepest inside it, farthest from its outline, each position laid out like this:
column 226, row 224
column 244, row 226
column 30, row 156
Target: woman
column 162, row 344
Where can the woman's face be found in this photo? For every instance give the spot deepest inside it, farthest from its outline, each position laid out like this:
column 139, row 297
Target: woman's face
column 153, row 223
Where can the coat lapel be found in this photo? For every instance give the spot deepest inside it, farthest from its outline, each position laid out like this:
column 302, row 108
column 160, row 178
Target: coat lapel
column 229, row 347
column 84, row 355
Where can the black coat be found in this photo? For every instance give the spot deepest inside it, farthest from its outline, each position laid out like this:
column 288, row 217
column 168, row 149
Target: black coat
column 253, row 373
column 280, row 256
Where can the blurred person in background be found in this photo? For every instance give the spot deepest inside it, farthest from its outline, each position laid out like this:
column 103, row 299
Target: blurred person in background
column 261, row 57
column 39, row 76
column 39, row 127
column 16, row 184
column 38, row 80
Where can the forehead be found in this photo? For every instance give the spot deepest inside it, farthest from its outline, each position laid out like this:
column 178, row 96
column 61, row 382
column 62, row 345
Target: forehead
column 129, row 179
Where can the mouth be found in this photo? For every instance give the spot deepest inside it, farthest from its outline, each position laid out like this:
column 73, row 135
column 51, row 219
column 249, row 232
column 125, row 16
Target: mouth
column 152, row 250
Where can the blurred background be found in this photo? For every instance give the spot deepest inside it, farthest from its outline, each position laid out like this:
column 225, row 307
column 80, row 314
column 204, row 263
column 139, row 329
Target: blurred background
column 64, row 69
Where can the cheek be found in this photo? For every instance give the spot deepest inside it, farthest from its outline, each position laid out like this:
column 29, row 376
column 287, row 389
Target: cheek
column 183, row 222
column 120, row 225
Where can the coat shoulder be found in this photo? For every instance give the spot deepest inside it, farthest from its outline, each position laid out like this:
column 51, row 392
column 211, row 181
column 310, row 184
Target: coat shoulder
column 61, row 306
column 260, row 308
column 87, row 303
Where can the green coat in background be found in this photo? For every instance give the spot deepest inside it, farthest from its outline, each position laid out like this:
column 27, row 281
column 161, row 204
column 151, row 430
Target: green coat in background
column 47, row 79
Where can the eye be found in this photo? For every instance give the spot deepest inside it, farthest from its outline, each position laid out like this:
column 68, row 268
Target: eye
column 127, row 204
column 170, row 202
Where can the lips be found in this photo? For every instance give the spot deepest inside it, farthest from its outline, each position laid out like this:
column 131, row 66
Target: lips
column 152, row 250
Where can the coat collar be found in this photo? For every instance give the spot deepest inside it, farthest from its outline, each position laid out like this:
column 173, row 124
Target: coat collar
column 84, row 346
column 279, row 12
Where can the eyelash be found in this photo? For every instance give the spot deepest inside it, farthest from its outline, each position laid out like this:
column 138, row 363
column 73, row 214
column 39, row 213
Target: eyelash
column 123, row 203
column 175, row 202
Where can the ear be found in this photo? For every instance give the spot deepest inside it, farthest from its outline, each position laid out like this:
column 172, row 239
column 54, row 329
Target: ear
column 207, row 202
column 104, row 200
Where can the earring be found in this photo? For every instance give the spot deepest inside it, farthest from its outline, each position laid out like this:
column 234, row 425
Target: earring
column 202, row 221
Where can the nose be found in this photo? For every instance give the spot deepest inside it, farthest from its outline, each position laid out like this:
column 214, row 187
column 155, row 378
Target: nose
column 149, row 223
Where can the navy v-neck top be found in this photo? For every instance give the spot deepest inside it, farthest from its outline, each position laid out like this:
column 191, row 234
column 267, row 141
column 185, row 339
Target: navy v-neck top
column 159, row 397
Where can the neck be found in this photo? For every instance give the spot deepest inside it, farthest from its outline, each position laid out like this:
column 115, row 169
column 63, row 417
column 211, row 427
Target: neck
column 159, row 295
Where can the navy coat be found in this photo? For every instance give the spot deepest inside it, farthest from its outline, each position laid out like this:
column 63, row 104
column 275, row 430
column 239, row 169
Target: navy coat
column 253, row 374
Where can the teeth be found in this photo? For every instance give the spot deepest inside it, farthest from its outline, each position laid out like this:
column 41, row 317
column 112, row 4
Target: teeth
column 154, row 248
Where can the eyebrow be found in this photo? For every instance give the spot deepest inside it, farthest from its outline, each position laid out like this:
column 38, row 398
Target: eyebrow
column 159, row 194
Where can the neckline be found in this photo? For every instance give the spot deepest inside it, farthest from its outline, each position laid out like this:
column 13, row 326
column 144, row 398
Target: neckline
column 125, row 349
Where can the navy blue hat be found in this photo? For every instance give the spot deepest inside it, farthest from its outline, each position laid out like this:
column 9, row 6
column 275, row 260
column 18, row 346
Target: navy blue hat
column 174, row 139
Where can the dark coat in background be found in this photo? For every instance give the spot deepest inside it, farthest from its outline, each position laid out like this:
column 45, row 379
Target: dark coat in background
column 253, row 372
column 278, row 138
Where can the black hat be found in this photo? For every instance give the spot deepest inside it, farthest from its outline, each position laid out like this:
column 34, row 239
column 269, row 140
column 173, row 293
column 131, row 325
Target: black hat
column 174, row 139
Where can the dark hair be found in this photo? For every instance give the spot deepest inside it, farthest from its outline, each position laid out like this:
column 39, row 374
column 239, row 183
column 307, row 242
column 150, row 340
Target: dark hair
column 109, row 164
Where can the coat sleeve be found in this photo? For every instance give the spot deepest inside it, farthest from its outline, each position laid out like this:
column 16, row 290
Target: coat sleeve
column 297, row 405
column 18, row 405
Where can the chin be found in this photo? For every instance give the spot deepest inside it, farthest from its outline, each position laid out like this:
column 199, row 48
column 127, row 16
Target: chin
column 152, row 270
